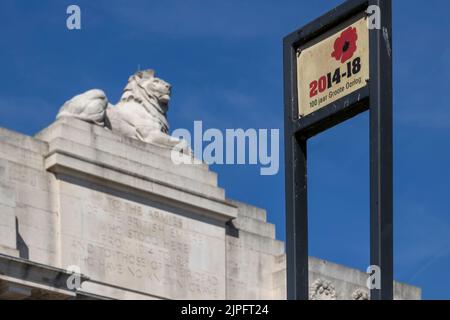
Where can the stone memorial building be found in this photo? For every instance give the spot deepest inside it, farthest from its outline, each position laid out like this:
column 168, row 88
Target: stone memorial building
column 93, row 207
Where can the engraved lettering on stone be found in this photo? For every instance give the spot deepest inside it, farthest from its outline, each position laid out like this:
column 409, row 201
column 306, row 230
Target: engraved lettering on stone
column 144, row 243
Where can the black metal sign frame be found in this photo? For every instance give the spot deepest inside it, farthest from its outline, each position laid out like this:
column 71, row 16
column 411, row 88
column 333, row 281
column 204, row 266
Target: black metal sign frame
column 376, row 98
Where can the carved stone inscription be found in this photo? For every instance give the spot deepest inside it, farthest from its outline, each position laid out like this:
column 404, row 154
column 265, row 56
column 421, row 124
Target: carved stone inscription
column 137, row 246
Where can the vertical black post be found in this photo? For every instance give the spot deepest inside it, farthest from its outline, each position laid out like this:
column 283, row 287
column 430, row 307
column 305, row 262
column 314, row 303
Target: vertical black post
column 296, row 196
column 381, row 152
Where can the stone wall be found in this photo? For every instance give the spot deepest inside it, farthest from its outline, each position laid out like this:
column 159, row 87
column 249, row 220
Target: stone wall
column 139, row 226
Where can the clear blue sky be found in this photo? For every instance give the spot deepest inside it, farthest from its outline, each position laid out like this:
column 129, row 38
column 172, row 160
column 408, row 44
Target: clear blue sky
column 224, row 59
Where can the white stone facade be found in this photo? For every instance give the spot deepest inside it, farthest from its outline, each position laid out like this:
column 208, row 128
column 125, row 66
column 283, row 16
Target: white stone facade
column 137, row 225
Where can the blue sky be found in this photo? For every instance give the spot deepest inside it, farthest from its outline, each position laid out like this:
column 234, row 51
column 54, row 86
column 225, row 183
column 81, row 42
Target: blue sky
column 224, row 59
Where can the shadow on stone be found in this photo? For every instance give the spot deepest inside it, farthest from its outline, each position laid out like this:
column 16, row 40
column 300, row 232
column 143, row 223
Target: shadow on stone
column 22, row 247
column 231, row 230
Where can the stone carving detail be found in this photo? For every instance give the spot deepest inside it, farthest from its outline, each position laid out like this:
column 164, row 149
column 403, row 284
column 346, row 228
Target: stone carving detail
column 322, row 290
column 140, row 114
column 360, row 294
column 89, row 106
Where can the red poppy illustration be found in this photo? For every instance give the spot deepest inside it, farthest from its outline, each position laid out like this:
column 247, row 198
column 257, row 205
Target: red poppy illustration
column 345, row 45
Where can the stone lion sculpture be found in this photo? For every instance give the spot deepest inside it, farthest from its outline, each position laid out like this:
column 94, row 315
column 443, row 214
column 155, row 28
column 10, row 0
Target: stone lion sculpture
column 140, row 114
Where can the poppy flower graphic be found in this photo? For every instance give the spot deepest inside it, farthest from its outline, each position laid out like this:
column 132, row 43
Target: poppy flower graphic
column 345, row 45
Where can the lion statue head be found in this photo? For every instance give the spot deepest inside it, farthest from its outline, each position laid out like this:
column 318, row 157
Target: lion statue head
column 151, row 92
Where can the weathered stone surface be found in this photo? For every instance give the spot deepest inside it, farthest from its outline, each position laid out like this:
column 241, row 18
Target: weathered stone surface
column 249, row 271
column 139, row 226
column 140, row 245
column 80, row 134
column 63, row 164
column 249, row 211
column 23, row 141
column 7, row 227
column 255, row 226
column 134, row 168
